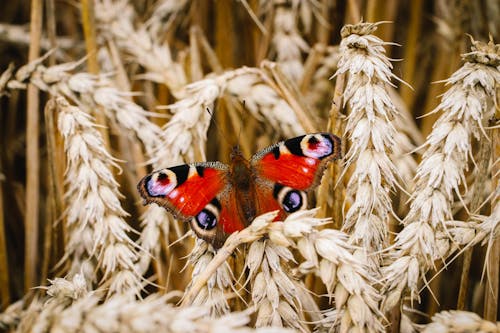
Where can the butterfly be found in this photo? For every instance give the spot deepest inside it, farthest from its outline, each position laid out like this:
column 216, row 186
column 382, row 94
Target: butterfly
column 219, row 199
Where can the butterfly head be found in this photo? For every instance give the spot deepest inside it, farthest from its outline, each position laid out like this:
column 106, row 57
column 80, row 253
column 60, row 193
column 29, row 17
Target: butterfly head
column 236, row 153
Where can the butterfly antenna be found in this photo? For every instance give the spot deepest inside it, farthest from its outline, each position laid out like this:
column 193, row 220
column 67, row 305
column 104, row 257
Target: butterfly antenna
column 211, row 113
column 241, row 124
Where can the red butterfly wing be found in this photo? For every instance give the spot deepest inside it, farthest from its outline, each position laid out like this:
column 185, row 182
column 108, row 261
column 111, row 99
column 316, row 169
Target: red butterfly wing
column 186, row 189
column 289, row 169
column 199, row 192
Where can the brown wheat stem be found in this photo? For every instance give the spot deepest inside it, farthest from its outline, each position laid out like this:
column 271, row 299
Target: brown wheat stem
column 51, row 28
column 464, row 279
column 336, row 126
column 4, row 267
column 323, row 30
column 371, row 11
column 410, row 54
column 353, row 12
column 493, row 271
column 88, row 23
column 55, row 191
column 32, row 157
column 483, row 159
column 310, row 66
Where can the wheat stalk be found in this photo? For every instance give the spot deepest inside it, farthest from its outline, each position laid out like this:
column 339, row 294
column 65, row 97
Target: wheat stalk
column 97, row 231
column 370, row 126
column 466, row 106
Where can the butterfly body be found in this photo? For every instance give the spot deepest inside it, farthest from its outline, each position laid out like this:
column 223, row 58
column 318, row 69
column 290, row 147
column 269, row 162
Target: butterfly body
column 219, row 199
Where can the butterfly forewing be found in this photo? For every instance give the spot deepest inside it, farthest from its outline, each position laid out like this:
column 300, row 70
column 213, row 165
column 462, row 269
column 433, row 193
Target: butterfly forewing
column 185, row 189
column 293, row 168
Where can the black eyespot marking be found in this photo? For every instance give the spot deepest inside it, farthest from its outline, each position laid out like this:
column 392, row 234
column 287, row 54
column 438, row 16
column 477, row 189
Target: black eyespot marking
column 199, row 170
column 206, row 220
column 292, row 201
column 181, row 172
column 216, row 203
column 313, row 140
column 161, row 176
column 276, row 152
column 276, row 190
column 294, row 147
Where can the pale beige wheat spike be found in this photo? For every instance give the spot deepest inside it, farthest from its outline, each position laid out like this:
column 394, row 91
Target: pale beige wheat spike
column 116, row 21
column 278, row 299
column 318, row 91
column 38, row 316
column 164, row 13
column 214, row 295
column 97, row 232
column 275, row 294
column 90, row 91
column 153, row 314
column 206, row 286
column 341, row 267
column 287, row 41
column 459, row 322
column 371, row 130
column 11, row 316
column 70, row 307
column 263, row 99
column 466, row 106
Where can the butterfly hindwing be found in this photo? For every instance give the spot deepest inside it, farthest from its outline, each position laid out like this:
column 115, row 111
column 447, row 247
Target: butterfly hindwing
column 288, row 170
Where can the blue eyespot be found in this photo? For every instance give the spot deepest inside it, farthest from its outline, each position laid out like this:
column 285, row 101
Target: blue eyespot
column 292, row 201
column 206, row 219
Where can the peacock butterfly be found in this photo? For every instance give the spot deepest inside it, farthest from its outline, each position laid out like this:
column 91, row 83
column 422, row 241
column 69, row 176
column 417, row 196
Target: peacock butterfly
column 219, row 199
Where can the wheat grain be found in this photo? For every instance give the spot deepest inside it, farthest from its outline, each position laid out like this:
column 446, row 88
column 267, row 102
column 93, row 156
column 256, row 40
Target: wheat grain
column 11, row 316
column 116, row 20
column 459, row 321
column 164, row 14
column 287, row 42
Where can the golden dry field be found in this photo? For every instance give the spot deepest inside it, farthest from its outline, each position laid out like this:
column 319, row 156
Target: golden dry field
column 387, row 220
